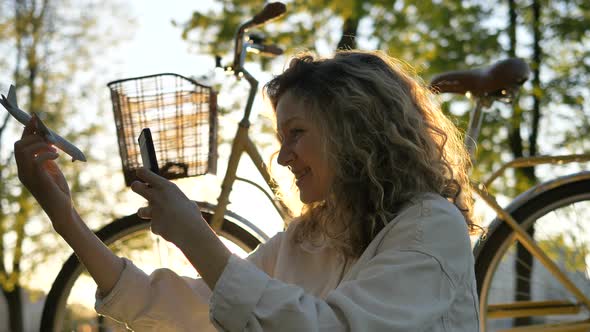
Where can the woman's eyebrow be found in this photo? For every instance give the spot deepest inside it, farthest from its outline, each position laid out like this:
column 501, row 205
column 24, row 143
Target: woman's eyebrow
column 286, row 122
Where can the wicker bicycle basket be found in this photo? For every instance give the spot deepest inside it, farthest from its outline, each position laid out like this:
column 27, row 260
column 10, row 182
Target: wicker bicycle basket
column 182, row 116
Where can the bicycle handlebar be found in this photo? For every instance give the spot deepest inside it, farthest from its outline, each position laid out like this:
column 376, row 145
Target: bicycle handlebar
column 268, row 50
column 270, row 12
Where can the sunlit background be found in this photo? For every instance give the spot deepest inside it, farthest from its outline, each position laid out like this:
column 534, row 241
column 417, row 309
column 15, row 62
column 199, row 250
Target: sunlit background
column 136, row 38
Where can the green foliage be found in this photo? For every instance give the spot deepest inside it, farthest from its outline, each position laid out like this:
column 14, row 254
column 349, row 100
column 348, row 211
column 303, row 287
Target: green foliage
column 435, row 35
column 442, row 35
column 569, row 250
column 565, row 52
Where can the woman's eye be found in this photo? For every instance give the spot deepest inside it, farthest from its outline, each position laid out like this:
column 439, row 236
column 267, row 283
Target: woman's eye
column 296, row 132
column 291, row 135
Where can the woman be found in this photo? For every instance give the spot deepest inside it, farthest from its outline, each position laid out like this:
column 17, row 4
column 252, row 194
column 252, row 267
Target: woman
column 382, row 242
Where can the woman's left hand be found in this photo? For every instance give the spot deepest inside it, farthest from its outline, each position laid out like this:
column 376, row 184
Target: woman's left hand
column 171, row 212
column 178, row 220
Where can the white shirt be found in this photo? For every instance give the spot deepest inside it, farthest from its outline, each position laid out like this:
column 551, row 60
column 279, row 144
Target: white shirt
column 416, row 275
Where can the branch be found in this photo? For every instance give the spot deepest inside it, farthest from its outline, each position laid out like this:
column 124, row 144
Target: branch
column 512, row 28
column 4, row 123
column 2, row 249
column 9, row 158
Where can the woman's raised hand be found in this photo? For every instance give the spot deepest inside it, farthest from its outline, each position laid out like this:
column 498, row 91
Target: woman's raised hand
column 39, row 173
column 171, row 212
column 178, row 220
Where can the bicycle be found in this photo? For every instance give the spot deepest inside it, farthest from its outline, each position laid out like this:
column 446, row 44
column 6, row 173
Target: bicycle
column 131, row 235
column 518, row 230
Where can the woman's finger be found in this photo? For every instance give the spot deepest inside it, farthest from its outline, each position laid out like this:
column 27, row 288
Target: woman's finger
column 24, row 142
column 37, row 147
column 44, row 156
column 30, row 127
column 143, row 189
column 26, row 154
column 150, row 177
column 27, row 140
column 145, row 212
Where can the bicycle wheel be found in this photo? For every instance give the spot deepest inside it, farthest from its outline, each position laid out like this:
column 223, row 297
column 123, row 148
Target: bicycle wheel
column 516, row 291
column 69, row 305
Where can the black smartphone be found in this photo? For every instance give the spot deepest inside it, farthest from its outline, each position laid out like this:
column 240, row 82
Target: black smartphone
column 148, row 152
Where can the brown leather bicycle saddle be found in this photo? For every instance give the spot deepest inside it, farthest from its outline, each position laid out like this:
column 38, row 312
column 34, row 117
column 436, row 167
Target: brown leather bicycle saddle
column 492, row 80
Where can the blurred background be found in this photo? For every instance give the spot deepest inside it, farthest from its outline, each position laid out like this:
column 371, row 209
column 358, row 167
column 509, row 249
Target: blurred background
column 61, row 55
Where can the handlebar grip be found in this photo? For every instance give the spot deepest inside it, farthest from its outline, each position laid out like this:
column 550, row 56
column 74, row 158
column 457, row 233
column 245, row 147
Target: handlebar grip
column 271, row 50
column 270, row 11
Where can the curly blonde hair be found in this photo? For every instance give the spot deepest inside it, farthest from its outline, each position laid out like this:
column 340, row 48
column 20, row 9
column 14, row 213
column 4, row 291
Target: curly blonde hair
column 385, row 137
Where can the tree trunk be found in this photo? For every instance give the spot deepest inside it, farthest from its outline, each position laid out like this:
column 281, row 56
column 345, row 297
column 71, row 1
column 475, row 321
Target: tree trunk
column 514, row 136
column 348, row 39
column 350, row 27
column 15, row 314
column 522, row 274
column 537, row 91
column 524, row 262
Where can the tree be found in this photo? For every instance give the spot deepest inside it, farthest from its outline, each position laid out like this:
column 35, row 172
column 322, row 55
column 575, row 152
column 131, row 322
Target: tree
column 53, row 45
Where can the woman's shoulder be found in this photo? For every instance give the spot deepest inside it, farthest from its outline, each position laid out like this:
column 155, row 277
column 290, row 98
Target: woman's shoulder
column 425, row 205
column 431, row 224
column 430, row 213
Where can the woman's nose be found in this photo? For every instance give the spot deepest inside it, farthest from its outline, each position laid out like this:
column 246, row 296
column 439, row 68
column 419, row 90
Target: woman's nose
column 286, row 156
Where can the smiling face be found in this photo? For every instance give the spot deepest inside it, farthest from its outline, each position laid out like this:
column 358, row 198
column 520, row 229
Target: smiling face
column 301, row 149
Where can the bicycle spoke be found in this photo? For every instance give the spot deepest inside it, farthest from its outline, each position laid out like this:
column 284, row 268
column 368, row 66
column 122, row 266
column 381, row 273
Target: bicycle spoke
column 503, row 270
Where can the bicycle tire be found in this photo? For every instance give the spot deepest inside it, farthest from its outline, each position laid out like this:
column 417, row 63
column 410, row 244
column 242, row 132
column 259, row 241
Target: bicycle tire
column 496, row 256
column 235, row 229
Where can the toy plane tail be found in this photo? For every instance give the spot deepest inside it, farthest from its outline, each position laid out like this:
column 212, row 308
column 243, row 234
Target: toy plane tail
column 12, row 96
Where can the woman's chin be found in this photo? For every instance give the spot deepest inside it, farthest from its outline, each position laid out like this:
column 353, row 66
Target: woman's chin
column 307, row 199
column 303, row 199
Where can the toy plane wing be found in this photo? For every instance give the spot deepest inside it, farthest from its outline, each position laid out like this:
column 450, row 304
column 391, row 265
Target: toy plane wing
column 9, row 103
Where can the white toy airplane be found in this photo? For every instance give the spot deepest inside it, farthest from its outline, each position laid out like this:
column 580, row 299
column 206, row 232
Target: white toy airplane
column 12, row 107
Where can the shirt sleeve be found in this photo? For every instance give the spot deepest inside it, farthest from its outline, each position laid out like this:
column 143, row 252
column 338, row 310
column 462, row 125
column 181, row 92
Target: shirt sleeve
column 382, row 298
column 165, row 301
column 162, row 301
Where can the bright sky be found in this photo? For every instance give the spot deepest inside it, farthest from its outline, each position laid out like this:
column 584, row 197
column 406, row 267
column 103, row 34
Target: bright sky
column 157, row 45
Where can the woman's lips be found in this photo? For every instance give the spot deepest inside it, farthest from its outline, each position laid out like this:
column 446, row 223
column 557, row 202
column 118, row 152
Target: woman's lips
column 301, row 174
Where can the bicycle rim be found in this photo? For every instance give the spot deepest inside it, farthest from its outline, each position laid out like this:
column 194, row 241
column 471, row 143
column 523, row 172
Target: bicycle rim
column 510, row 281
column 70, row 303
